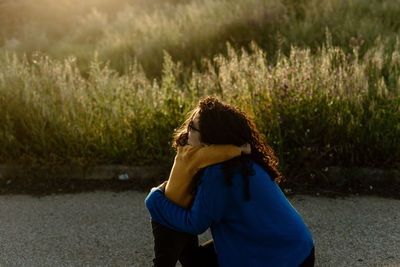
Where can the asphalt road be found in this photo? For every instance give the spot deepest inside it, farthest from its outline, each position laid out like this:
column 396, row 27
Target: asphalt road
column 113, row 229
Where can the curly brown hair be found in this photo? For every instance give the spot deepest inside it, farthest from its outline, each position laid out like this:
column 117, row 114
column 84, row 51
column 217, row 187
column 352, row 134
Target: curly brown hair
column 221, row 123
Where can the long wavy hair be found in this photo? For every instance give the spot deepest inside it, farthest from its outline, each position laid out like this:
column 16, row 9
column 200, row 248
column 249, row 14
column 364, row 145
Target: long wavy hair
column 221, row 123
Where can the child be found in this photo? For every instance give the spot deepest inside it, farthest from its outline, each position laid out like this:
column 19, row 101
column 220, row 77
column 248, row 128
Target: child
column 170, row 245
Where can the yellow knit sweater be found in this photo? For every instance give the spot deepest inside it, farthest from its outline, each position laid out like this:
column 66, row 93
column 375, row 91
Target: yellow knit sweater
column 189, row 160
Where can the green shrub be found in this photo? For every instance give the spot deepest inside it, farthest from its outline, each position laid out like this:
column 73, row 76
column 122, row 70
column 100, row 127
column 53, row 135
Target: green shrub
column 110, row 81
column 316, row 110
column 51, row 115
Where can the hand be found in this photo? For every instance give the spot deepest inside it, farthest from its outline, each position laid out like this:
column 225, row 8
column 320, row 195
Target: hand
column 245, row 149
column 163, row 185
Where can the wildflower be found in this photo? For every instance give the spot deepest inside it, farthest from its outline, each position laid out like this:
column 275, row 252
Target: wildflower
column 269, row 105
column 362, row 41
column 348, row 56
column 325, row 169
column 308, row 130
column 353, row 38
column 270, row 66
column 357, row 47
column 359, row 35
column 350, row 45
column 308, row 92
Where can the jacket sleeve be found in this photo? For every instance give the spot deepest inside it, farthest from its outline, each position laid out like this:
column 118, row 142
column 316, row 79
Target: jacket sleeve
column 208, row 207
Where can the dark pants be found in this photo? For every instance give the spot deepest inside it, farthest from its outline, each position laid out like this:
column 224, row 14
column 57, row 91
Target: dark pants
column 171, row 246
column 309, row 261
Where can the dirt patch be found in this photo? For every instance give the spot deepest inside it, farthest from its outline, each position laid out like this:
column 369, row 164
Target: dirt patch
column 51, row 186
column 43, row 181
column 67, row 180
column 44, row 187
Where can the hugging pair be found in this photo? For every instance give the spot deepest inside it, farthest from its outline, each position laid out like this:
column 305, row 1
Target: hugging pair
column 225, row 177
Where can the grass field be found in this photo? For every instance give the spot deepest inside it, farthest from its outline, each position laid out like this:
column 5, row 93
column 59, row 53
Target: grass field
column 107, row 82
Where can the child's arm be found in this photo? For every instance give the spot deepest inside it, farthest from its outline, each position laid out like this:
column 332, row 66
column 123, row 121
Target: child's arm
column 187, row 163
column 208, row 155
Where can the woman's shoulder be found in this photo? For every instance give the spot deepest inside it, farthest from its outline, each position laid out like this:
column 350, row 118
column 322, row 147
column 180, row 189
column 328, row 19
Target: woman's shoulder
column 218, row 168
column 213, row 169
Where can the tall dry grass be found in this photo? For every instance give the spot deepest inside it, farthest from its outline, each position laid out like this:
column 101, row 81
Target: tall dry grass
column 124, row 30
column 316, row 110
column 83, row 85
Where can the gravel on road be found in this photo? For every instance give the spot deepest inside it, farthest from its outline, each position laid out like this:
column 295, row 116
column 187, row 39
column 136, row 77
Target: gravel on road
column 113, row 229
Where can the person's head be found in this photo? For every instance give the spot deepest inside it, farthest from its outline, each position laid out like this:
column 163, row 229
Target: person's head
column 193, row 130
column 215, row 122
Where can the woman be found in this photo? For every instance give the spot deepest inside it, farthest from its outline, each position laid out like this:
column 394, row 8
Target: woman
column 251, row 221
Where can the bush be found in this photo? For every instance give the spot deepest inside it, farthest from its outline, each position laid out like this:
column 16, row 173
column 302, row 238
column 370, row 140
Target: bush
column 108, row 82
column 316, row 110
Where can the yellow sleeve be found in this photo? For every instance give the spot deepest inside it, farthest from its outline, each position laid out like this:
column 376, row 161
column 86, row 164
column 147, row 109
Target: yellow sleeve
column 212, row 154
